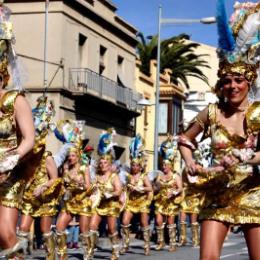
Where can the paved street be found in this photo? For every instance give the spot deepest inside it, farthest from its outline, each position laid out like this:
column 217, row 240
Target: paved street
column 234, row 249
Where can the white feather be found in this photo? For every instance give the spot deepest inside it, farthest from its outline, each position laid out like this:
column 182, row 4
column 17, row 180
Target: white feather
column 60, row 156
column 92, row 170
column 248, row 32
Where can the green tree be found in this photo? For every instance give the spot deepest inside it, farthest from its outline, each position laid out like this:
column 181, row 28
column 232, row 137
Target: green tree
column 176, row 54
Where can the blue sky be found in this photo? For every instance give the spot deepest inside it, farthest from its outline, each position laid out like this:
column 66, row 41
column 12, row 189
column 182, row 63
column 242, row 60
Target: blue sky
column 143, row 14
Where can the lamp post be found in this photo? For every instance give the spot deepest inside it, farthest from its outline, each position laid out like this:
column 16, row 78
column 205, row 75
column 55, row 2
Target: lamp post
column 45, row 46
column 207, row 20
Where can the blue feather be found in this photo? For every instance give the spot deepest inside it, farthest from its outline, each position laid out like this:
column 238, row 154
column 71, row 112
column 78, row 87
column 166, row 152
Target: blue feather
column 226, row 40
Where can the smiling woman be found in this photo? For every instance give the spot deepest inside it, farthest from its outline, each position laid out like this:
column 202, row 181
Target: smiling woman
column 234, row 136
column 108, row 185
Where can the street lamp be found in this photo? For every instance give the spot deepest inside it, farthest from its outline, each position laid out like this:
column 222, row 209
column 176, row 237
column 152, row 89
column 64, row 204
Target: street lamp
column 207, row 20
column 45, row 46
column 144, row 102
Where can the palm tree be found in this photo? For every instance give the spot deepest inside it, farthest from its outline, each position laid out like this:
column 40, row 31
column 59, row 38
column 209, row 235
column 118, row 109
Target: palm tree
column 147, row 51
column 176, row 54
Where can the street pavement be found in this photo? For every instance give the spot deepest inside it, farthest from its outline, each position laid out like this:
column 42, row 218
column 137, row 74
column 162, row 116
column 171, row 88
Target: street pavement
column 234, row 249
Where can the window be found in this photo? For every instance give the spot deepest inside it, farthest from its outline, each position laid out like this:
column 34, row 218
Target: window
column 177, row 115
column 82, row 51
column 102, row 54
column 120, row 77
column 163, row 118
column 120, row 61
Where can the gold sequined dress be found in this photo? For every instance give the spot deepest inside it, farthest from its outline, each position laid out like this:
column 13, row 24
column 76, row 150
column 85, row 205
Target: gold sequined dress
column 164, row 205
column 45, row 204
column 232, row 195
column 76, row 198
column 192, row 198
column 137, row 202
column 109, row 207
column 11, row 189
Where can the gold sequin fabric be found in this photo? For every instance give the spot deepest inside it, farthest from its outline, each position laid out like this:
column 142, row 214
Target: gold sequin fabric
column 193, row 198
column 163, row 204
column 76, row 198
column 137, row 202
column 109, row 207
column 12, row 188
column 42, row 205
column 233, row 195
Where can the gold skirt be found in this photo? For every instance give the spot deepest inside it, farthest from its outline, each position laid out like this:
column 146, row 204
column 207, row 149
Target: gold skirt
column 45, row 204
column 238, row 204
column 167, row 207
column 192, row 201
column 11, row 192
column 79, row 204
column 44, row 210
column 138, row 204
column 109, row 207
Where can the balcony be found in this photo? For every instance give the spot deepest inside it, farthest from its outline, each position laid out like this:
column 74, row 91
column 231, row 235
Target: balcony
column 85, row 81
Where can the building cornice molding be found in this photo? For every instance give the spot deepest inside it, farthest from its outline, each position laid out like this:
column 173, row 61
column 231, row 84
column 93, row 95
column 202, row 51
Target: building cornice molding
column 84, row 10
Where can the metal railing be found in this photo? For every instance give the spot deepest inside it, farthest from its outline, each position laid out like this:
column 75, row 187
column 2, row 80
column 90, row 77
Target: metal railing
column 88, row 81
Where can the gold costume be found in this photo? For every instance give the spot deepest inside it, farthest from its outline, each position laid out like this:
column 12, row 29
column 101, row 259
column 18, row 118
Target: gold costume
column 109, row 207
column 76, row 197
column 45, row 204
column 192, row 198
column 231, row 195
column 164, row 205
column 11, row 189
column 137, row 202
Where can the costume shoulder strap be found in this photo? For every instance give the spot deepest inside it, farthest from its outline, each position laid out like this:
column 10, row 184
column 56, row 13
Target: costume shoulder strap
column 112, row 176
column 212, row 113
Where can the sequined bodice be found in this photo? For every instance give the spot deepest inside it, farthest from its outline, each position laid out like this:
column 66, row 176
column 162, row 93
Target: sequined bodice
column 69, row 181
column 106, row 185
column 139, row 182
column 165, row 185
column 223, row 143
column 8, row 133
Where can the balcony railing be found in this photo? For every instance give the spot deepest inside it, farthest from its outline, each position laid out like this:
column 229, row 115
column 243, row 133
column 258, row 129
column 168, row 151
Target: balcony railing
column 87, row 81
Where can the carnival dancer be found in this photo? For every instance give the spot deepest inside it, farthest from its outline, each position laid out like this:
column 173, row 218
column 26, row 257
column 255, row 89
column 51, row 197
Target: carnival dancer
column 139, row 195
column 77, row 186
column 44, row 187
column 168, row 190
column 232, row 187
column 193, row 197
column 107, row 195
column 16, row 141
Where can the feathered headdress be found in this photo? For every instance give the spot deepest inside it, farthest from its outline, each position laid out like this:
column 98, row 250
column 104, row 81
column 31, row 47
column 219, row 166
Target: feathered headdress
column 136, row 148
column 42, row 115
column 70, row 133
column 106, row 144
column 239, row 47
column 168, row 149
